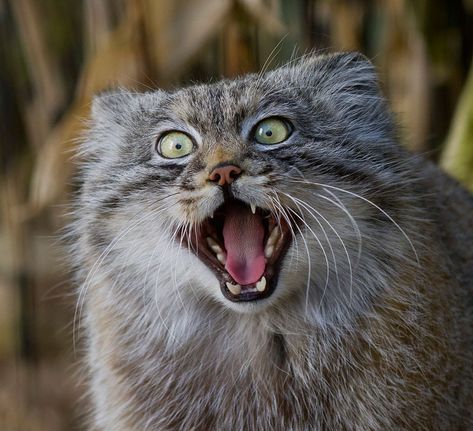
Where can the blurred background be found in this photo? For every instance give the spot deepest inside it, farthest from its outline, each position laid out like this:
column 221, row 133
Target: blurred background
column 55, row 54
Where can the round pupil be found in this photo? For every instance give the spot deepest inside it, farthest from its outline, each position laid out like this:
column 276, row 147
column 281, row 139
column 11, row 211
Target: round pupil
column 178, row 146
column 269, row 133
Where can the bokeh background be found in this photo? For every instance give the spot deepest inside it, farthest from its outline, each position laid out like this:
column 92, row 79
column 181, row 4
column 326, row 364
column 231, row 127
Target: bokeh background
column 55, row 54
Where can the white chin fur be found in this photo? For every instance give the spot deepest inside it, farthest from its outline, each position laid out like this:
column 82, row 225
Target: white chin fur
column 250, row 307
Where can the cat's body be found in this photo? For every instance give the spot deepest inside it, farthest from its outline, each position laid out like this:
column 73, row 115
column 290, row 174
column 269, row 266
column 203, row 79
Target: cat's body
column 367, row 326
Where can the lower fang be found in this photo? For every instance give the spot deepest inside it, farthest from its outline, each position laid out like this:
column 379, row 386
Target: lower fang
column 221, row 258
column 235, row 289
column 268, row 251
column 261, row 285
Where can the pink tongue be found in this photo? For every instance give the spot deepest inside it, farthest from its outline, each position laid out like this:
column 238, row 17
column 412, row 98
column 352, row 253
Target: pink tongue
column 243, row 235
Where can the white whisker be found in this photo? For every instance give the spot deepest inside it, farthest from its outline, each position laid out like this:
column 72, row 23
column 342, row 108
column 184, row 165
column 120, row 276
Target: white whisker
column 325, row 186
column 339, row 204
column 310, row 208
column 308, row 256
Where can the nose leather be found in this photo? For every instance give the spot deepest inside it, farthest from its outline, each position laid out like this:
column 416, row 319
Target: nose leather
column 225, row 174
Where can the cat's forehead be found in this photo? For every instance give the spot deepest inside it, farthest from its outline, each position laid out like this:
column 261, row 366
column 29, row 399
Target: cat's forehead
column 228, row 100
column 218, row 101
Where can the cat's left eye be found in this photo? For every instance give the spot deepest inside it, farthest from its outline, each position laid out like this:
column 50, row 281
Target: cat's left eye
column 272, row 131
column 174, row 145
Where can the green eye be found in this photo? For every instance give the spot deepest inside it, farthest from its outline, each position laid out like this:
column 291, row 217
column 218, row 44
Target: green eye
column 174, row 145
column 272, row 131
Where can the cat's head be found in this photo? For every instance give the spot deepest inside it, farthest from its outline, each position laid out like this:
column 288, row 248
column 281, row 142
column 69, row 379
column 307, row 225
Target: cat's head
column 256, row 192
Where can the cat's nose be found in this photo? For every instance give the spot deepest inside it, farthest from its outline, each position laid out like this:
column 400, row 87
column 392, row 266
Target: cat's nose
column 224, row 174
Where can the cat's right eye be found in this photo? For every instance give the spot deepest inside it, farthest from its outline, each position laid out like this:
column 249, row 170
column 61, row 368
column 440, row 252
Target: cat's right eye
column 174, row 145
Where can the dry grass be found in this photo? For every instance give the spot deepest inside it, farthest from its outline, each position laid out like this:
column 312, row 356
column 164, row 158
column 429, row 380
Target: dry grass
column 60, row 53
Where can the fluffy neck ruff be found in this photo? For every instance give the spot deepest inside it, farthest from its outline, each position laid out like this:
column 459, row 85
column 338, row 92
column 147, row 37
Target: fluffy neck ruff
column 212, row 368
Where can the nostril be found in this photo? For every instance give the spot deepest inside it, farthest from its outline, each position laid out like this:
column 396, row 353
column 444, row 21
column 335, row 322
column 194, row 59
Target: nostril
column 214, row 175
column 234, row 174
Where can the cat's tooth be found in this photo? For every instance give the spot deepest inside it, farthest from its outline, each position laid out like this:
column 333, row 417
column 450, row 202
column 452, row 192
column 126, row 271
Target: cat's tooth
column 221, row 258
column 271, row 242
column 253, row 208
column 210, row 241
column 214, row 245
column 235, row 289
column 268, row 251
column 261, row 285
column 273, row 237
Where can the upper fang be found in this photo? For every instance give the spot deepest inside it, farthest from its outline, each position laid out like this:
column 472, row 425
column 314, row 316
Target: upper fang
column 214, row 245
column 253, row 208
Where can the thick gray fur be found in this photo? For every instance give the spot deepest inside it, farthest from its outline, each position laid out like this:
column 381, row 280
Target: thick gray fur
column 371, row 324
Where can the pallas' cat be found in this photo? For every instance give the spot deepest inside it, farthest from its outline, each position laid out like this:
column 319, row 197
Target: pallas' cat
column 261, row 254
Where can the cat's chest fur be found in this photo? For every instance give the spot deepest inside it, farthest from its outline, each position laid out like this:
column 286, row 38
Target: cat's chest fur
column 240, row 372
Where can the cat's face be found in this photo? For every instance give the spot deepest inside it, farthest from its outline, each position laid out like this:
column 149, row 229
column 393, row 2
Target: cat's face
column 243, row 191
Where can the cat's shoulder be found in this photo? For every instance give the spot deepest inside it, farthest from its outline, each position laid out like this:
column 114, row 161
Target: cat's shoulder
column 454, row 214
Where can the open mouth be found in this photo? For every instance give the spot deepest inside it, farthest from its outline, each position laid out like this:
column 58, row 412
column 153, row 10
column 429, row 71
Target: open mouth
column 244, row 246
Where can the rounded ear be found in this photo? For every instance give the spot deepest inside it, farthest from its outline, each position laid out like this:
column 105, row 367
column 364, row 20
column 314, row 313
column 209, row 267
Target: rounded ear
column 345, row 79
column 117, row 105
column 112, row 105
column 113, row 114
column 359, row 72
column 345, row 72
column 347, row 84
column 109, row 119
